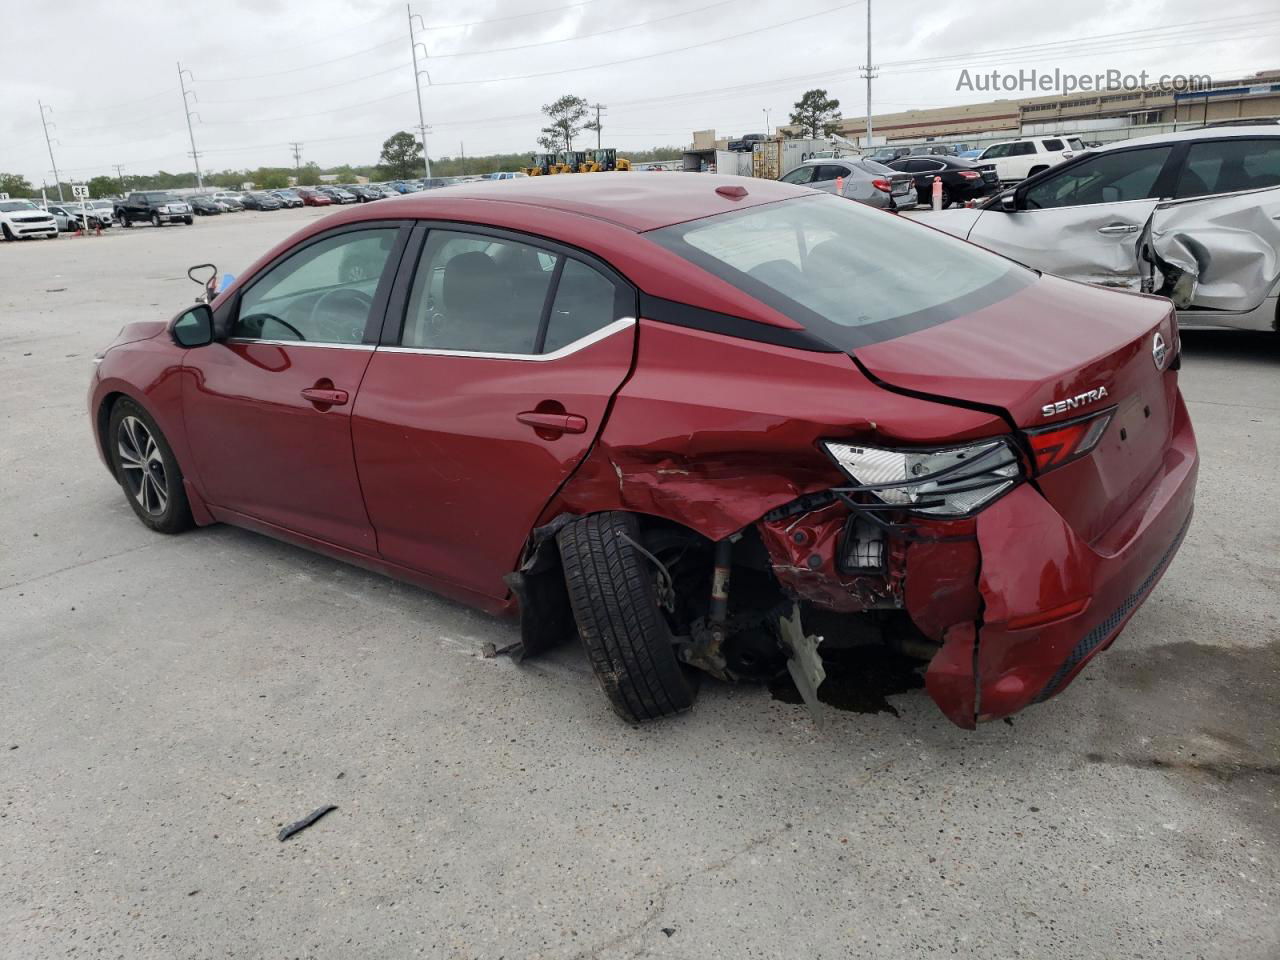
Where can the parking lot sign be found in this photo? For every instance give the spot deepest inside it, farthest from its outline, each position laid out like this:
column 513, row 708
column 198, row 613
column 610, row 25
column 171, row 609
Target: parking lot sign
column 4, row 196
column 80, row 191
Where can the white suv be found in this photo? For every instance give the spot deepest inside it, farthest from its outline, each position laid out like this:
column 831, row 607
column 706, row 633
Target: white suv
column 1015, row 160
column 22, row 218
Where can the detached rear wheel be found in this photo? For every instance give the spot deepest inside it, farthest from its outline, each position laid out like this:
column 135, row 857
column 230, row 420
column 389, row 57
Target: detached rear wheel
column 615, row 603
column 147, row 469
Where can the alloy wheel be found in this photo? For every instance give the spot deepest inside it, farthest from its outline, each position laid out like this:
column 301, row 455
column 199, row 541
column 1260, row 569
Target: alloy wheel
column 142, row 466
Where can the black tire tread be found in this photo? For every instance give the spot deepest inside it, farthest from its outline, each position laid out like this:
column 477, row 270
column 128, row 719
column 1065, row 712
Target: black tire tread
column 178, row 518
column 614, row 602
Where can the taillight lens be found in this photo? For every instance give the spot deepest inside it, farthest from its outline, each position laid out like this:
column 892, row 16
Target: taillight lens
column 881, row 184
column 951, row 482
column 970, row 175
column 1061, row 443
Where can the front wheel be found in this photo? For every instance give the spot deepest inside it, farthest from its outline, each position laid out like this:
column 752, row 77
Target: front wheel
column 8, row 234
column 155, row 219
column 124, row 219
column 146, row 468
column 188, row 221
column 615, row 603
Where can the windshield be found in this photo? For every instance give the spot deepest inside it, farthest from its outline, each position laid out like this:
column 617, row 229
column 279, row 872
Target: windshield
column 8, row 206
column 161, row 197
column 850, row 274
column 996, row 150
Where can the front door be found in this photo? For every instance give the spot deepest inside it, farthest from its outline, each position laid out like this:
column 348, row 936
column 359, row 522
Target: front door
column 268, row 411
column 490, row 393
column 1084, row 223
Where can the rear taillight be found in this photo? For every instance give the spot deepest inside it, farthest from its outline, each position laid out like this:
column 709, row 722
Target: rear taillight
column 970, row 175
column 1063, row 442
column 881, row 184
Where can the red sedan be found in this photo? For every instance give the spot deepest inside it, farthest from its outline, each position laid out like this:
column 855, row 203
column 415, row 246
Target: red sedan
column 313, row 198
column 686, row 419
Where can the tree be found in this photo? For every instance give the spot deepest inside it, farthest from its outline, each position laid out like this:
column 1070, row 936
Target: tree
column 566, row 116
column 103, row 187
column 15, row 185
column 401, row 155
column 816, row 114
column 309, row 175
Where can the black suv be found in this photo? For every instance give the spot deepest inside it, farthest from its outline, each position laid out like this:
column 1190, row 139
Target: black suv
column 157, row 206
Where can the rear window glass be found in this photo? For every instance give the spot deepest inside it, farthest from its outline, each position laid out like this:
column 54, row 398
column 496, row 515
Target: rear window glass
column 1053, row 145
column 850, row 274
column 1225, row 166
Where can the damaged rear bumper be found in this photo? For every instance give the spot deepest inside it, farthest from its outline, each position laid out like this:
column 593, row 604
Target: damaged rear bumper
column 1018, row 602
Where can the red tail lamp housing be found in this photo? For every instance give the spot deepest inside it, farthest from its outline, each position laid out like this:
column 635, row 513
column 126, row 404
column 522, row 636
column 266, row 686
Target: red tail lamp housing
column 1060, row 443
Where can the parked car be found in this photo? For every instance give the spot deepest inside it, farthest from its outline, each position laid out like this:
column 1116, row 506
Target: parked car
column 822, row 415
column 72, row 217
column 970, row 154
column 205, row 206
column 261, row 201
column 404, row 186
column 856, row 178
column 1193, row 216
column 20, row 219
column 288, row 198
column 1015, row 160
column 312, row 197
column 157, row 206
column 338, row 194
column 885, row 154
column 234, row 202
column 364, row 193
column 961, row 180
column 504, row 175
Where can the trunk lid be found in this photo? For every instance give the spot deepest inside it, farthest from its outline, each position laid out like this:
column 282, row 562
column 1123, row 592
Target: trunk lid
column 1043, row 356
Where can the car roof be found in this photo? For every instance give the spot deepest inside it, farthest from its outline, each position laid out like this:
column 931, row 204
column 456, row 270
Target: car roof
column 1204, row 133
column 621, row 198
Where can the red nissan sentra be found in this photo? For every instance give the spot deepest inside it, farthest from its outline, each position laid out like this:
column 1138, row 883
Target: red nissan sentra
column 706, row 423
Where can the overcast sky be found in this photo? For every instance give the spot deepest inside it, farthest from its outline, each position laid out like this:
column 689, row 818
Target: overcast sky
column 337, row 75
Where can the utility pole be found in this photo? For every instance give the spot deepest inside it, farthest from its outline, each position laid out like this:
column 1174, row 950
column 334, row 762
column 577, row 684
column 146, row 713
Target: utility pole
column 767, row 133
column 598, row 107
column 120, row 173
column 297, row 160
column 869, row 71
column 49, row 143
column 414, row 44
column 183, row 76
column 462, row 156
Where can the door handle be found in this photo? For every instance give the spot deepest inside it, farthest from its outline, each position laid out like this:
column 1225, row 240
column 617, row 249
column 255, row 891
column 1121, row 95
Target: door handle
column 1114, row 228
column 553, row 422
column 326, row 396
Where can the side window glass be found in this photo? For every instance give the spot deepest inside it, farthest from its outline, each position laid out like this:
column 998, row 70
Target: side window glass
column 1022, row 149
column 799, row 175
column 1107, row 178
column 824, row 172
column 478, row 294
column 1053, row 145
column 322, row 294
column 1230, row 165
column 585, row 301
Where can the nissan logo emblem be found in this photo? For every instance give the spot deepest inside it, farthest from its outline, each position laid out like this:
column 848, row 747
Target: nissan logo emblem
column 1158, row 351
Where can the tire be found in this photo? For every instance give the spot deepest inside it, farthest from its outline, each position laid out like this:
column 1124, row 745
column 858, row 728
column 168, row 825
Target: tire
column 188, row 221
column 146, row 469
column 615, row 604
column 123, row 218
column 155, row 220
column 946, row 197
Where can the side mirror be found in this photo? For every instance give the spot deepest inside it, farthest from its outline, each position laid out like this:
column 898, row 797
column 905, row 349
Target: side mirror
column 194, row 327
column 1009, row 201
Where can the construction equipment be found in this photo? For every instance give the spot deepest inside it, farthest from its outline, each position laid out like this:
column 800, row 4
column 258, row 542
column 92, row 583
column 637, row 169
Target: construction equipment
column 576, row 161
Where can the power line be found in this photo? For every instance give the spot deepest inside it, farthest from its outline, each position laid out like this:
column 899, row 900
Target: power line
column 650, row 56
column 309, row 66
column 299, row 93
column 583, row 36
column 514, row 16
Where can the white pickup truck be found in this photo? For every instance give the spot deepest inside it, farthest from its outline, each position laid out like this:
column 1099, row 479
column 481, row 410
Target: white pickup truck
column 1015, row 160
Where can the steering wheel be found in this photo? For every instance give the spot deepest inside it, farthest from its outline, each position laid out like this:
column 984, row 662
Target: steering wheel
column 266, row 318
column 331, row 310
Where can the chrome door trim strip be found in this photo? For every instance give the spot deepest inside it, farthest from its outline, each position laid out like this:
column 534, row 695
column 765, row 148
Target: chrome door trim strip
column 367, row 347
column 623, row 323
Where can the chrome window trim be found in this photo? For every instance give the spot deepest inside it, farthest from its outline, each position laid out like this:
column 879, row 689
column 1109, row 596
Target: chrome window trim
column 302, row 343
column 617, row 326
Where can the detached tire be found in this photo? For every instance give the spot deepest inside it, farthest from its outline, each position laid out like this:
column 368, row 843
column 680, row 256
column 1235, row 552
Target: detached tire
column 615, row 603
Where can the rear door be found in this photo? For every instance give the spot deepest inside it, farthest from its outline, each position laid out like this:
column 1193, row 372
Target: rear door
column 500, row 357
column 1216, row 243
column 1084, row 222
